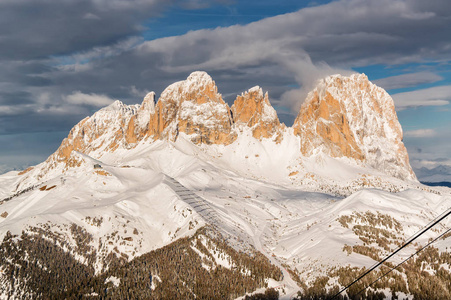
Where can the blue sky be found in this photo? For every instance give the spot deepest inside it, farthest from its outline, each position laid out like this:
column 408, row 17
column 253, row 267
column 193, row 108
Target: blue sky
column 63, row 60
column 180, row 20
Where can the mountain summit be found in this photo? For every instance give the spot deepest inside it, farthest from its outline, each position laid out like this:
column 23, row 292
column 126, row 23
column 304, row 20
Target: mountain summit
column 342, row 118
column 194, row 107
column 252, row 109
column 351, row 117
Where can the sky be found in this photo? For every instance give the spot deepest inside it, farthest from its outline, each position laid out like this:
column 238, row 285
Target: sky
column 62, row 60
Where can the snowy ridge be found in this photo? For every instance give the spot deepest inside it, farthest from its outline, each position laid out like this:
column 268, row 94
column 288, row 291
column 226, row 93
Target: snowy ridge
column 103, row 132
column 297, row 229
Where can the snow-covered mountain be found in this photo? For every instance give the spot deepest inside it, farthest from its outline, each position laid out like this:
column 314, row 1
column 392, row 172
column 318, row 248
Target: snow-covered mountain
column 248, row 201
column 346, row 119
column 440, row 173
column 351, row 117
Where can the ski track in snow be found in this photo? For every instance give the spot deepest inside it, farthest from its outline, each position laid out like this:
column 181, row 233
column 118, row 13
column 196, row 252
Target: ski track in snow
column 203, row 208
column 199, row 204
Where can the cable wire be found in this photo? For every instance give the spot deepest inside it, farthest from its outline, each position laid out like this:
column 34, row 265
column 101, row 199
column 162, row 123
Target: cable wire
column 410, row 240
column 417, row 234
column 395, row 267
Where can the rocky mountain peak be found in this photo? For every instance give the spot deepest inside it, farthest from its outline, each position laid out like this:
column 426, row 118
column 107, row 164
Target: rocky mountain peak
column 252, row 109
column 198, row 80
column 194, row 107
column 351, row 117
column 199, row 87
column 105, row 131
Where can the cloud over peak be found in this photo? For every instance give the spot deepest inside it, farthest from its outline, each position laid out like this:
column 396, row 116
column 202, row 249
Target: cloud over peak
column 79, row 98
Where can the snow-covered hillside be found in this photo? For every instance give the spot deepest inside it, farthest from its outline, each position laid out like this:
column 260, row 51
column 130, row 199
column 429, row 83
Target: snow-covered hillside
column 147, row 197
column 106, row 202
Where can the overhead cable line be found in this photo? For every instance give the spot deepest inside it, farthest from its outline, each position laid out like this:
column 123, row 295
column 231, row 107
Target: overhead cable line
column 410, row 240
column 395, row 267
column 418, row 233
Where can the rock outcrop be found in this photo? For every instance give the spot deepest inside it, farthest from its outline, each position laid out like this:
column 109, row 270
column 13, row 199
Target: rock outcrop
column 351, row 117
column 252, row 109
column 106, row 130
column 142, row 122
column 195, row 108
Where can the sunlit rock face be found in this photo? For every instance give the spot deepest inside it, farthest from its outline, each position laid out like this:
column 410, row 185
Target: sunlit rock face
column 105, row 131
column 252, row 109
column 351, row 117
column 194, row 107
column 141, row 123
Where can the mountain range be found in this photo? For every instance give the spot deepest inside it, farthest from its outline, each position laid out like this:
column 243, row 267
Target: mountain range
column 188, row 197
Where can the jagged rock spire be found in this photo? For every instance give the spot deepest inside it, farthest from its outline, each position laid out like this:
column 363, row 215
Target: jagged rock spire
column 252, row 109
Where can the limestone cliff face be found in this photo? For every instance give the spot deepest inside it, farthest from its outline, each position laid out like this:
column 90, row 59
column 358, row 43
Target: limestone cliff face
column 351, row 117
column 195, row 108
column 141, row 123
column 252, row 109
column 105, row 131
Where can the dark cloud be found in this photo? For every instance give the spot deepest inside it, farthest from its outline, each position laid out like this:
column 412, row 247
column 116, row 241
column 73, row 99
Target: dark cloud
column 20, row 151
column 293, row 49
column 39, row 38
column 37, row 29
column 15, row 98
column 26, row 120
column 271, row 52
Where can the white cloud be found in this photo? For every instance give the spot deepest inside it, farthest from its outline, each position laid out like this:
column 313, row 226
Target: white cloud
column 430, row 152
column 407, row 80
column 80, row 98
column 309, row 44
column 10, row 110
column 420, row 163
column 137, row 92
column 81, row 61
column 420, row 133
column 240, row 48
column 418, row 15
column 306, row 74
column 434, row 96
